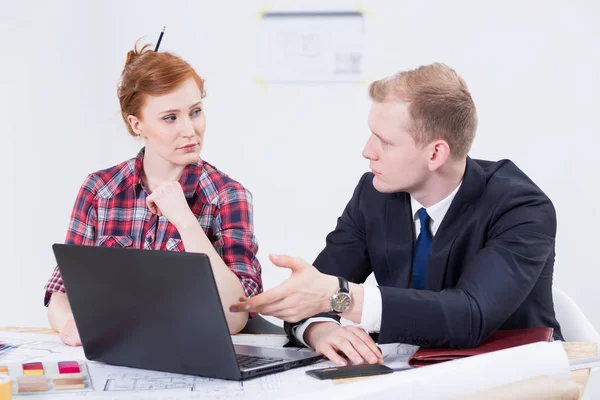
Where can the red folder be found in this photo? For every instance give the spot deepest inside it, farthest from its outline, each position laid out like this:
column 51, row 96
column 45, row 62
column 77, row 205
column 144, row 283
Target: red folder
column 499, row 340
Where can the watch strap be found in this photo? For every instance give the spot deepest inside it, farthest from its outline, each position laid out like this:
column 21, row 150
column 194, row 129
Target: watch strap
column 344, row 285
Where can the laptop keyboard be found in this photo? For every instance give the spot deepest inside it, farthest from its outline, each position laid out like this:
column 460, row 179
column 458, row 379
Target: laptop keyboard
column 247, row 362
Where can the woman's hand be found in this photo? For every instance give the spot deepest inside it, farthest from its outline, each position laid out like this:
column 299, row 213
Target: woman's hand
column 169, row 201
column 69, row 334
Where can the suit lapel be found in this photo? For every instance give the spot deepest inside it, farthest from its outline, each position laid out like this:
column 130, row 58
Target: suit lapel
column 470, row 190
column 399, row 240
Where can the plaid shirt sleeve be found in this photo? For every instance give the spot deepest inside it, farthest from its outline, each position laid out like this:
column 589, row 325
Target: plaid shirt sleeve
column 81, row 232
column 235, row 240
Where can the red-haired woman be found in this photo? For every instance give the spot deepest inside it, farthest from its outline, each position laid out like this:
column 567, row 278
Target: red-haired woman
column 166, row 198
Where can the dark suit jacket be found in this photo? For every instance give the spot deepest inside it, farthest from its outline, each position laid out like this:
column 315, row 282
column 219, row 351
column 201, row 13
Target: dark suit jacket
column 490, row 264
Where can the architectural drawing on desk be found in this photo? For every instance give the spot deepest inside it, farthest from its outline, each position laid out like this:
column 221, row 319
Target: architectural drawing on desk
column 114, row 379
column 27, row 350
column 117, row 379
column 396, row 355
column 108, row 378
column 114, row 382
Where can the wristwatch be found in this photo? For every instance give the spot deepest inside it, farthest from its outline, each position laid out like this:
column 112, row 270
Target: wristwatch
column 341, row 300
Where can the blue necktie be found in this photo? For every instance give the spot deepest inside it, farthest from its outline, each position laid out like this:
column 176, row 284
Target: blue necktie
column 421, row 252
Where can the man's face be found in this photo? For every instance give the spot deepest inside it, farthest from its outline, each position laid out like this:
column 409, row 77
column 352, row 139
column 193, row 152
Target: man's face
column 396, row 161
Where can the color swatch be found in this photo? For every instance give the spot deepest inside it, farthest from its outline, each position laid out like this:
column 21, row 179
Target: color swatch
column 32, row 384
column 68, row 382
column 47, row 377
column 68, row 367
column 33, row 369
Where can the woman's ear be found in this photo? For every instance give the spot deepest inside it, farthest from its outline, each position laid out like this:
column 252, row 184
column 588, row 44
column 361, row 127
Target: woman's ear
column 135, row 124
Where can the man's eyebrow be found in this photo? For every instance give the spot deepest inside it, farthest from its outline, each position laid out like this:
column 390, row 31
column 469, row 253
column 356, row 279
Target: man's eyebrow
column 379, row 137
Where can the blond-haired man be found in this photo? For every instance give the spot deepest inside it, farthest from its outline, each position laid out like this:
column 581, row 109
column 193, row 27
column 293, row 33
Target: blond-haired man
column 459, row 247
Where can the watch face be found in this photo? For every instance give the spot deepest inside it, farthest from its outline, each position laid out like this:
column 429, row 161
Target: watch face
column 340, row 302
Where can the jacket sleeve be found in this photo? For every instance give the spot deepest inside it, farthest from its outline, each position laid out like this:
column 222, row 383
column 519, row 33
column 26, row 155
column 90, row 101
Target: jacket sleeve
column 345, row 252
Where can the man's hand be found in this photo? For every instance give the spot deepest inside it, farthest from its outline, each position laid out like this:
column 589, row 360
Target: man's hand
column 169, row 201
column 305, row 293
column 69, row 334
column 331, row 339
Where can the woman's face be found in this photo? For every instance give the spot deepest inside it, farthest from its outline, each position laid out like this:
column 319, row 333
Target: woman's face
column 173, row 124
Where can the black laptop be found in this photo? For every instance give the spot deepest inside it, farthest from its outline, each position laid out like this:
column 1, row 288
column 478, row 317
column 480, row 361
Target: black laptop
column 159, row 310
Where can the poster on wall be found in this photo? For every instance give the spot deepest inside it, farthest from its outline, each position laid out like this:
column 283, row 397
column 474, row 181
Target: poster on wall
column 311, row 47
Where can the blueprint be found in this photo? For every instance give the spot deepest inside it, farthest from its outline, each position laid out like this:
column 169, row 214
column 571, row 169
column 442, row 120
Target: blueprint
column 34, row 347
column 396, row 355
column 113, row 382
column 442, row 380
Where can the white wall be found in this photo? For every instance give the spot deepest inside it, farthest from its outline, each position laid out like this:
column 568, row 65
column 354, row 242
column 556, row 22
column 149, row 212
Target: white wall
column 532, row 66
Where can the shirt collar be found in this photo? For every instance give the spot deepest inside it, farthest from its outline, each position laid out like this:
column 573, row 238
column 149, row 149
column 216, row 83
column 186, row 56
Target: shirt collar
column 189, row 178
column 436, row 212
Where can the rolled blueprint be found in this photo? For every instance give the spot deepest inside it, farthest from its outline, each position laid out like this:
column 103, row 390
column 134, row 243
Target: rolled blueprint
column 459, row 377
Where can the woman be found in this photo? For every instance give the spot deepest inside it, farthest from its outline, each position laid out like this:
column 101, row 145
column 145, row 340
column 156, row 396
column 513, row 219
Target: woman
column 166, row 198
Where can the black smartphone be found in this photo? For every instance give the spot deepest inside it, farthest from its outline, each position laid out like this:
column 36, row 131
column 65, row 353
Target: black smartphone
column 349, row 371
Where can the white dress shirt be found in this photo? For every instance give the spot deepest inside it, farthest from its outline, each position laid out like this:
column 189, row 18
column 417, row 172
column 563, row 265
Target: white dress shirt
column 372, row 302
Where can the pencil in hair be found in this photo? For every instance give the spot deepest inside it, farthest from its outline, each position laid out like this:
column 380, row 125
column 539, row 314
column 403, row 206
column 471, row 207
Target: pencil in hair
column 160, row 38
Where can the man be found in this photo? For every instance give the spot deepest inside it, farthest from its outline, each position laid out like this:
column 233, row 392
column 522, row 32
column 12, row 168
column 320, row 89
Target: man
column 459, row 247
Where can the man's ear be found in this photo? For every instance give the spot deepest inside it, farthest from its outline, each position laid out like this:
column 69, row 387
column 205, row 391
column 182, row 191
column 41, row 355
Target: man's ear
column 135, row 123
column 439, row 154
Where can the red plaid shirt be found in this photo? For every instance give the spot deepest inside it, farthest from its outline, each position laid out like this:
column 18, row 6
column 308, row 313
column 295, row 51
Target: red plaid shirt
column 111, row 211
